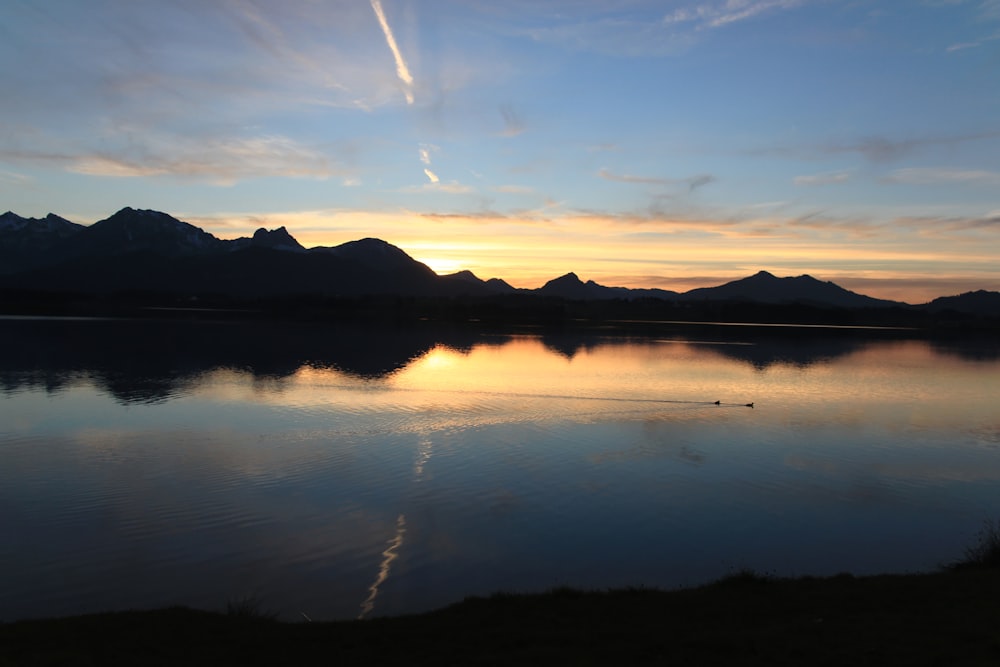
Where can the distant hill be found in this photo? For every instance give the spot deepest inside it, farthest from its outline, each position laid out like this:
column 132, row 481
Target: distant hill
column 494, row 285
column 763, row 287
column 570, row 286
column 979, row 302
column 148, row 251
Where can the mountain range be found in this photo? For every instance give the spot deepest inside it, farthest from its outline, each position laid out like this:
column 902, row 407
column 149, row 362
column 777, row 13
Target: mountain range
column 149, row 251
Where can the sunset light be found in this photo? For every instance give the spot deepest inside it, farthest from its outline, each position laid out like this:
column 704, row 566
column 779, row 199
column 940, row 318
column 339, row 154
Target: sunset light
column 671, row 145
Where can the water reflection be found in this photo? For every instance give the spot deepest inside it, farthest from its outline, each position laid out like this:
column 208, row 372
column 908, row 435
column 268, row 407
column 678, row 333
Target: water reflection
column 439, row 464
column 139, row 361
column 390, row 554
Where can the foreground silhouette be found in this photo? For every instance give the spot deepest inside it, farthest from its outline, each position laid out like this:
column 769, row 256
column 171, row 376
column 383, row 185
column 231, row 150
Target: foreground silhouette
column 941, row 618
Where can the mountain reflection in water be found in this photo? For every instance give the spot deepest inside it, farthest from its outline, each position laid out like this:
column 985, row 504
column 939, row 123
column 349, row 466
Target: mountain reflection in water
column 338, row 471
column 144, row 361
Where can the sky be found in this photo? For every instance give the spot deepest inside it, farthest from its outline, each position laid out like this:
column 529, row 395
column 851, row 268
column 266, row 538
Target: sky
column 672, row 144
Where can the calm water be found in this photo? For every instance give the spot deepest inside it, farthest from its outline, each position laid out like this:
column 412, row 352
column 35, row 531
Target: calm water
column 339, row 472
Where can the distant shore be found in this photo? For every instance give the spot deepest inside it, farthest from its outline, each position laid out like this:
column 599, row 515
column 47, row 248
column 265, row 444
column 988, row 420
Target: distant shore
column 947, row 617
column 498, row 311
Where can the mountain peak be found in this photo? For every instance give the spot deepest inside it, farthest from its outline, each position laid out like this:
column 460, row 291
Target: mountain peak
column 570, row 286
column 375, row 253
column 567, row 279
column 12, row 222
column 129, row 215
column 132, row 229
column 277, row 239
column 129, row 212
column 764, row 287
column 466, row 275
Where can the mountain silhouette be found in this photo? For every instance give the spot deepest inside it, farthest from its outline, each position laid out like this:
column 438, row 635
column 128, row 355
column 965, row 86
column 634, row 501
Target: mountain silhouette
column 571, row 287
column 278, row 239
column 375, row 254
column 763, row 287
column 979, row 302
column 138, row 251
column 25, row 241
column 149, row 251
column 493, row 285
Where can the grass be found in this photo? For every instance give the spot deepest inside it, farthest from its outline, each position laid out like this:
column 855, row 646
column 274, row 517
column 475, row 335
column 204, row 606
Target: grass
column 949, row 617
column 984, row 553
column 249, row 607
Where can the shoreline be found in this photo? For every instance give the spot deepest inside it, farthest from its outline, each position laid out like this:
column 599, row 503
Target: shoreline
column 946, row 617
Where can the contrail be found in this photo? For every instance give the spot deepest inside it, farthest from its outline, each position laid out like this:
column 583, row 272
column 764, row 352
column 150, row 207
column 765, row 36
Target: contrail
column 402, row 71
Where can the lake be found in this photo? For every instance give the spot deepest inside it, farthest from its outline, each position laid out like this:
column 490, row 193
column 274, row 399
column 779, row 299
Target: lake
column 337, row 472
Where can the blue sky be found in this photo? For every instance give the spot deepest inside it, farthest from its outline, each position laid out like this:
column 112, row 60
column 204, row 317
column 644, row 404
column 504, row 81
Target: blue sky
column 674, row 144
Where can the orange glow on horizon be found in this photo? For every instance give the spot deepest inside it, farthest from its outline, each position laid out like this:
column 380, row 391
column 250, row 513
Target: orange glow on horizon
column 666, row 254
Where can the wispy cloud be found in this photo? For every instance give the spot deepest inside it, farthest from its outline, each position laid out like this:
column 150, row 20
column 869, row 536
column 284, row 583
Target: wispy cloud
column 826, row 178
column 512, row 124
column 876, row 148
column 402, row 70
column 425, row 153
column 989, row 10
column 628, row 34
column 10, row 177
column 718, row 14
column 222, row 160
column 885, row 149
column 692, row 182
column 451, row 187
column 515, row 189
column 617, row 37
column 943, row 176
column 961, row 46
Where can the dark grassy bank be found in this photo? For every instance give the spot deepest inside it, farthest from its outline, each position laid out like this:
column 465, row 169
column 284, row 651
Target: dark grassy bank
column 946, row 618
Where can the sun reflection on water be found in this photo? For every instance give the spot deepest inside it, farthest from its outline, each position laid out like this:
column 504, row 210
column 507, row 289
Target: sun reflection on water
column 594, row 461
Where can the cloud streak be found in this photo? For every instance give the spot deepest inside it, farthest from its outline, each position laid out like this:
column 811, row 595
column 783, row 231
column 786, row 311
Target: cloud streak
column 512, row 124
column 629, row 35
column 826, row 178
column 719, row 14
column 944, row 176
column 222, row 160
column 13, row 178
column 402, row 70
column 451, row 188
column 692, row 182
